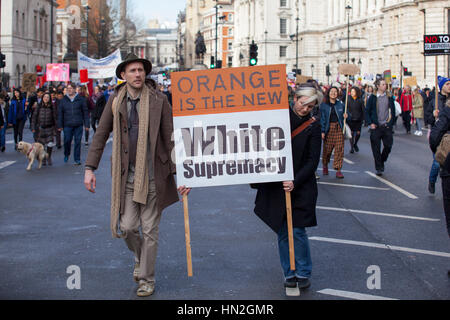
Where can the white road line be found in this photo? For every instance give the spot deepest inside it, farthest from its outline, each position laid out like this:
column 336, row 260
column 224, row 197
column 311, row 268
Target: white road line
column 382, row 246
column 348, row 161
column 393, row 186
column 109, row 140
column 352, row 295
column 10, row 142
column 377, row 213
column 344, row 171
column 5, row 164
column 352, row 186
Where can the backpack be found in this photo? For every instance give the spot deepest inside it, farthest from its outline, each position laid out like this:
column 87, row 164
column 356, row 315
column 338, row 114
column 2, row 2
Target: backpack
column 443, row 149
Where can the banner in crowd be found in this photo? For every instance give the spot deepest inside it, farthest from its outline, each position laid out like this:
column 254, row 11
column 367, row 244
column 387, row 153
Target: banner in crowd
column 29, row 82
column 100, row 68
column 58, row 72
column 231, row 126
column 436, row 44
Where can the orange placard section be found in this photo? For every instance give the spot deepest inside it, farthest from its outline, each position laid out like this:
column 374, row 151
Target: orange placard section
column 229, row 90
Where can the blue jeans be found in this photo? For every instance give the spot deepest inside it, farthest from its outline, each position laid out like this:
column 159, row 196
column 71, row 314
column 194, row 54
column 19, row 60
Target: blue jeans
column 434, row 172
column 74, row 133
column 2, row 136
column 303, row 263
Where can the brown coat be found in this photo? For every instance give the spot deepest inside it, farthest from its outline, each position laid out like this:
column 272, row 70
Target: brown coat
column 161, row 143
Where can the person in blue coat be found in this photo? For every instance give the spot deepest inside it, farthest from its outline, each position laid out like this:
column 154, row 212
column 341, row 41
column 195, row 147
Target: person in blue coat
column 73, row 114
column 17, row 115
column 332, row 115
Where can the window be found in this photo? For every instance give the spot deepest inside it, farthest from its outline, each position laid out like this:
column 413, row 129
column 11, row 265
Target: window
column 230, row 17
column 283, row 51
column 283, row 26
column 17, row 23
column 283, row 3
column 230, row 46
column 23, row 24
column 230, row 31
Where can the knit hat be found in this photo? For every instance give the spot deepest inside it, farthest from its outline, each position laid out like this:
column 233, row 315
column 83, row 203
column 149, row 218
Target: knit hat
column 442, row 81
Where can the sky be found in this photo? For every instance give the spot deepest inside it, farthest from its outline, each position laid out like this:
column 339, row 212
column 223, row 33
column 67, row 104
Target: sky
column 163, row 10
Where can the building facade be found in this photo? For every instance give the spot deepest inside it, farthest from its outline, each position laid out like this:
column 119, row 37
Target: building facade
column 157, row 45
column 25, row 37
column 222, row 49
column 384, row 35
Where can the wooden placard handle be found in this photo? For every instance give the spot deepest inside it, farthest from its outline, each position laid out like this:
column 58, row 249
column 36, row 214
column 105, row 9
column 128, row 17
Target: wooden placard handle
column 290, row 230
column 187, row 235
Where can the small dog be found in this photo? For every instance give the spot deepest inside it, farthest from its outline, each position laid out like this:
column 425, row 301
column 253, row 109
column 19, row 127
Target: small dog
column 32, row 152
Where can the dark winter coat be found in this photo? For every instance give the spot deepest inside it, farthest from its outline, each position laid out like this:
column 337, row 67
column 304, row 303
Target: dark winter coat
column 13, row 110
column 270, row 203
column 73, row 114
column 356, row 109
column 44, row 121
column 431, row 106
column 99, row 106
column 371, row 111
column 440, row 128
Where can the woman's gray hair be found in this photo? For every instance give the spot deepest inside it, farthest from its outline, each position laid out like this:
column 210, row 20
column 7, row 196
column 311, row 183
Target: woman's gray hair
column 311, row 92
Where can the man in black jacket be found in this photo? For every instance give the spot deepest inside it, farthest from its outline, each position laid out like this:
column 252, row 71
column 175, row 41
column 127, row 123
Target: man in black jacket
column 72, row 115
column 440, row 128
column 430, row 115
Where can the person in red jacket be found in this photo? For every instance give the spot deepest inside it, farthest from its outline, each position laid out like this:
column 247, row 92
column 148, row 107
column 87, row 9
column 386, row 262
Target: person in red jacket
column 407, row 106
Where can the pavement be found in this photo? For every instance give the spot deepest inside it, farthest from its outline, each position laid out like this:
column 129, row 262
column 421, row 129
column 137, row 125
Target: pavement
column 376, row 238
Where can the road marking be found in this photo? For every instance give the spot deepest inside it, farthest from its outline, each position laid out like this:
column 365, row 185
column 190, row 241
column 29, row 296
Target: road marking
column 352, row 295
column 348, row 161
column 10, row 142
column 382, row 246
column 109, row 140
column 345, row 160
column 344, row 171
column 393, row 186
column 377, row 213
column 352, row 186
column 5, row 164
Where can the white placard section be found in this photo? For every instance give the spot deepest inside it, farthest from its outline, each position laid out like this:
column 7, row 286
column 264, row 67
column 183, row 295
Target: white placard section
column 233, row 148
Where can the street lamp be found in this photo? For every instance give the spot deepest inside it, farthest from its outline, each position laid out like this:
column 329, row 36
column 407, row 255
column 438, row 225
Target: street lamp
column 217, row 11
column 296, row 44
column 348, row 8
column 265, row 46
column 87, row 8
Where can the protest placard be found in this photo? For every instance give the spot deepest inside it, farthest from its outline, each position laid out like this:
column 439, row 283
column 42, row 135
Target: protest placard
column 232, row 126
column 29, row 82
column 58, row 72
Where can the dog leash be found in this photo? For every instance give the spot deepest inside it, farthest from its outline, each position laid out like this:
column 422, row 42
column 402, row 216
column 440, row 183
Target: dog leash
column 32, row 147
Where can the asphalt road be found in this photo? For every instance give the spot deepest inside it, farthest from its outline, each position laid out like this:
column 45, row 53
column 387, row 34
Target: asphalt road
column 375, row 238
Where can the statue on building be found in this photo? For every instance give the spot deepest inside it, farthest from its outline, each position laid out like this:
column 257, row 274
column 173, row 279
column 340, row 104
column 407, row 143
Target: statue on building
column 200, row 48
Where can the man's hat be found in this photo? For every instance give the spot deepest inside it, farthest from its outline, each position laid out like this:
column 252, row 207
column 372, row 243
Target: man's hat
column 130, row 58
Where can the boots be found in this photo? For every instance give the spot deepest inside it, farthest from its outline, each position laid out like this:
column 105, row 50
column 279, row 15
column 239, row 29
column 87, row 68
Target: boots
column 49, row 159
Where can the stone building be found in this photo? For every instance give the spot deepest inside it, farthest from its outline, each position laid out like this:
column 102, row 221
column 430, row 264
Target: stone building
column 25, row 37
column 384, row 35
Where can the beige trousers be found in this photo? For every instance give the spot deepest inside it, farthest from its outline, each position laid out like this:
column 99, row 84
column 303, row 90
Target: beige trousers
column 147, row 217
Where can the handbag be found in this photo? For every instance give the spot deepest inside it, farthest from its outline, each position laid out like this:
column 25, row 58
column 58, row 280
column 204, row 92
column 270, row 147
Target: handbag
column 398, row 108
column 347, row 132
column 443, row 149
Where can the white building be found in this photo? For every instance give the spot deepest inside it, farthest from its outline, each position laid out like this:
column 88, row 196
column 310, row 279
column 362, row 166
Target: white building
column 25, row 37
column 158, row 45
column 383, row 35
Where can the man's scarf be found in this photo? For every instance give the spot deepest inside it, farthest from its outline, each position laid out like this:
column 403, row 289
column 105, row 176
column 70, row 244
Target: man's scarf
column 141, row 168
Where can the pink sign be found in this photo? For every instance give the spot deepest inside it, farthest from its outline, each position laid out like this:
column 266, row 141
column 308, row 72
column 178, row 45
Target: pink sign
column 58, row 72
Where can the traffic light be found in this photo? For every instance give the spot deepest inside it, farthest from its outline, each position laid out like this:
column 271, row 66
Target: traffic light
column 253, row 54
column 406, row 72
column 219, row 64
column 212, row 65
column 327, row 69
column 2, row 60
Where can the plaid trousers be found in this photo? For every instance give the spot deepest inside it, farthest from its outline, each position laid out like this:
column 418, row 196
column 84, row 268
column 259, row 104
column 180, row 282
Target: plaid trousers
column 334, row 139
